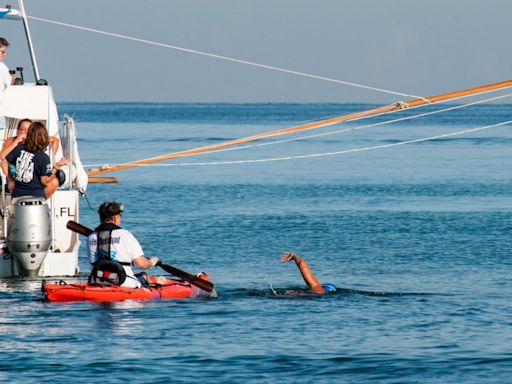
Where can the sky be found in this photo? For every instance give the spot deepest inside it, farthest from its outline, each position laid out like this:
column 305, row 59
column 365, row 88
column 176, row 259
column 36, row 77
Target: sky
column 412, row 47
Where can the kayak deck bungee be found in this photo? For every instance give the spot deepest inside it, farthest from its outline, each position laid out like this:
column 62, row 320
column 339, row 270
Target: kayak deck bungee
column 81, row 291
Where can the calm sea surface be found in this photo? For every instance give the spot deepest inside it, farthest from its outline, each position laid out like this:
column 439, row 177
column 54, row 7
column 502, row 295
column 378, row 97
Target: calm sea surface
column 417, row 237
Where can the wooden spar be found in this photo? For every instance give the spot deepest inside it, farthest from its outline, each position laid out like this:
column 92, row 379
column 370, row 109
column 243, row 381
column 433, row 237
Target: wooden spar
column 303, row 127
column 103, row 180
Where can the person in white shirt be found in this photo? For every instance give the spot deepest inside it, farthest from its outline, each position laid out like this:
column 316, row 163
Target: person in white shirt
column 110, row 243
column 6, row 79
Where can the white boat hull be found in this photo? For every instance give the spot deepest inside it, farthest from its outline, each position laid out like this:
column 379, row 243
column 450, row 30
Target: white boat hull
column 62, row 256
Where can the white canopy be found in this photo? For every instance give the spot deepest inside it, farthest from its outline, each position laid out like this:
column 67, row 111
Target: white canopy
column 34, row 102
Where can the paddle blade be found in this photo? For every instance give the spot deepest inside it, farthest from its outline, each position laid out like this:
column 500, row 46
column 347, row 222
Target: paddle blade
column 194, row 280
column 78, row 228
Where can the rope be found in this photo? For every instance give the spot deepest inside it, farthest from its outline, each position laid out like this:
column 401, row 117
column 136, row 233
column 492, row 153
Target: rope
column 324, row 154
column 226, row 58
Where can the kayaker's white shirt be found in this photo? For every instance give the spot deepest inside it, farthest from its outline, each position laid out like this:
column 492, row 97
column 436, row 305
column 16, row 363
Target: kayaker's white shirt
column 124, row 247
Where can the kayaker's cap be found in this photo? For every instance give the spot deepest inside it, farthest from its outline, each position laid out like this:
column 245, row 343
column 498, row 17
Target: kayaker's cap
column 329, row 287
column 110, row 209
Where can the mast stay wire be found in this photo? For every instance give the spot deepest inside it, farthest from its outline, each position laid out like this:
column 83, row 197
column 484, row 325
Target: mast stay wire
column 227, row 58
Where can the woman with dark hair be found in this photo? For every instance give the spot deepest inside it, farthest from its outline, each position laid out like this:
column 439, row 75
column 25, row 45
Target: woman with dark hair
column 21, row 133
column 34, row 174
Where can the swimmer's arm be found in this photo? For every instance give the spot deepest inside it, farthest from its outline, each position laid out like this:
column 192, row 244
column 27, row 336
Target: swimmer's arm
column 310, row 279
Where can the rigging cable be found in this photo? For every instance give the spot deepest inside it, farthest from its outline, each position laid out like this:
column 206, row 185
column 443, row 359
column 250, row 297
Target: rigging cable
column 226, row 58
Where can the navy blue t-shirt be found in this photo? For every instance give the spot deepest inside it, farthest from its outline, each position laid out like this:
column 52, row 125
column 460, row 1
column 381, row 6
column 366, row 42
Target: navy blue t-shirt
column 29, row 169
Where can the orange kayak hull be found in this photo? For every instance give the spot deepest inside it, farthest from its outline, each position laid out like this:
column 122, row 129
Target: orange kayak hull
column 168, row 289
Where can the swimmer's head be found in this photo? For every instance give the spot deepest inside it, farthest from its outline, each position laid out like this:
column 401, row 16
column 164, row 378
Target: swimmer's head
column 329, row 287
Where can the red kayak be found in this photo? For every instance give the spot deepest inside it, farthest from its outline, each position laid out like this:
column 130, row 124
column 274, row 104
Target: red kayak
column 167, row 289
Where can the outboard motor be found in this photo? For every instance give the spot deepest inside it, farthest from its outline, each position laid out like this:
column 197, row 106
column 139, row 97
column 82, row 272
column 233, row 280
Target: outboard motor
column 29, row 236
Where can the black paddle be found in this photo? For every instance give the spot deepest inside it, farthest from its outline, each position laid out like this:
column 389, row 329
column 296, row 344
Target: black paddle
column 203, row 284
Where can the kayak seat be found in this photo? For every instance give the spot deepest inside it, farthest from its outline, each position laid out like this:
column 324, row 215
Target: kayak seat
column 106, row 273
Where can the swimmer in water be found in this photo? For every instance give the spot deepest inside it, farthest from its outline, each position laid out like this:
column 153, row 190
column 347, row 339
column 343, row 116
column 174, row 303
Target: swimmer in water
column 310, row 279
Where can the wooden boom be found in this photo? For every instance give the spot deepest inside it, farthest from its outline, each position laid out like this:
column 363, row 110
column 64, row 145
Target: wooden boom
column 303, row 127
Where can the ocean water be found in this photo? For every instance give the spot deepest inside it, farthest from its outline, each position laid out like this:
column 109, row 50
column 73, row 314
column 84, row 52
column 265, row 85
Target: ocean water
column 417, row 238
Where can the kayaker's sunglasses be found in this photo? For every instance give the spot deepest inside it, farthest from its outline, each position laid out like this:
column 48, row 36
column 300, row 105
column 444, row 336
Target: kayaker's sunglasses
column 117, row 207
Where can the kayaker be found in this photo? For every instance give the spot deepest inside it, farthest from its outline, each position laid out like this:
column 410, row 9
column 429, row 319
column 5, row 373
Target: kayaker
column 117, row 246
column 310, row 279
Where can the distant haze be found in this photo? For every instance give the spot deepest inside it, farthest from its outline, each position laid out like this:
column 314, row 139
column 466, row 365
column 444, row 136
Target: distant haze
column 414, row 47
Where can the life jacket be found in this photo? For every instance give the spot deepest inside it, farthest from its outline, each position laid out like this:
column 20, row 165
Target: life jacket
column 106, row 272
